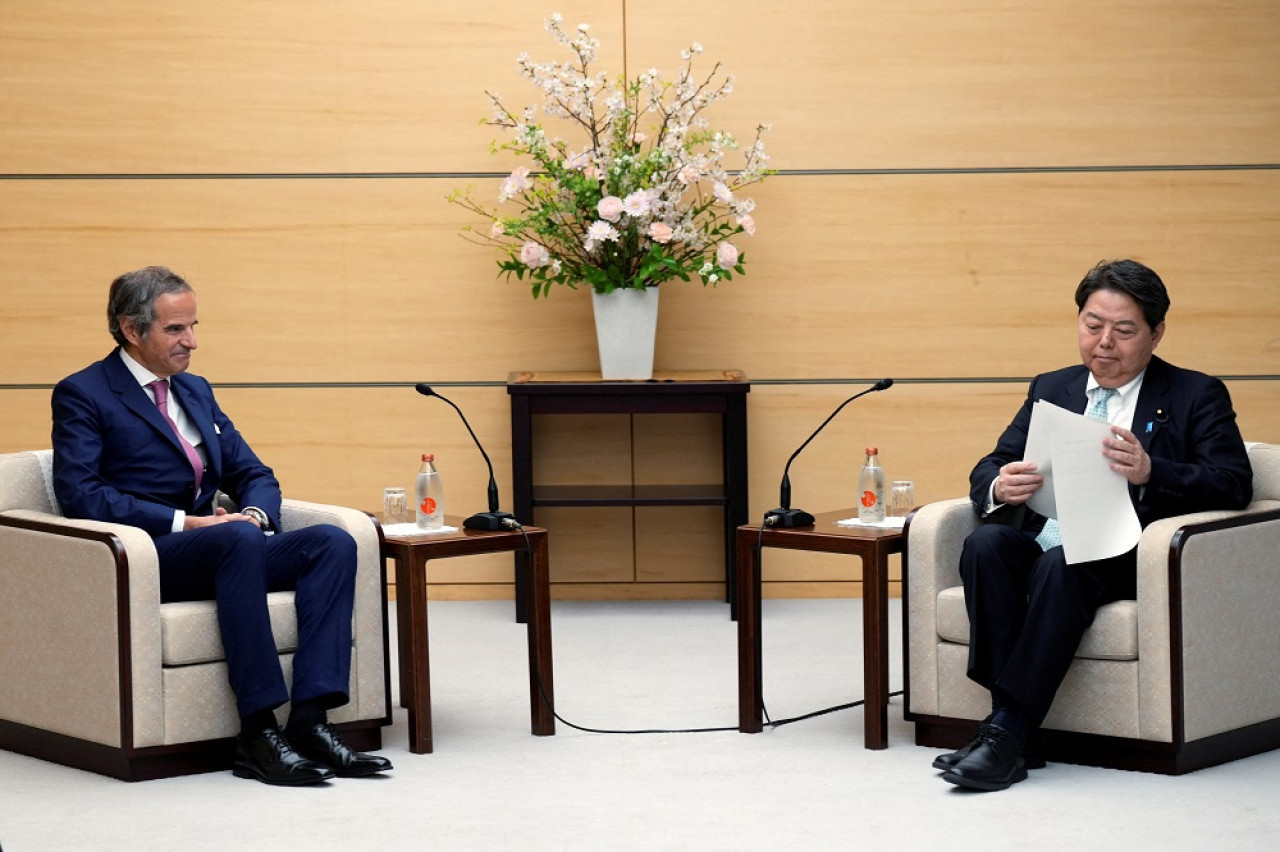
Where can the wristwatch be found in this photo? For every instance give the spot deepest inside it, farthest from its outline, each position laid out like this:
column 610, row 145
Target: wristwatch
column 258, row 515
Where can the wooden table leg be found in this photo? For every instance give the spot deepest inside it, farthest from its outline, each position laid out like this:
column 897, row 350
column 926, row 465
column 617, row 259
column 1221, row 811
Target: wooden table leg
column 401, row 569
column 415, row 654
column 875, row 644
column 750, row 686
column 541, row 679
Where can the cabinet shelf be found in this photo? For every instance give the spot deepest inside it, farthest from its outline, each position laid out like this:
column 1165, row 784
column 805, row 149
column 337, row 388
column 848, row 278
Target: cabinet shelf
column 717, row 392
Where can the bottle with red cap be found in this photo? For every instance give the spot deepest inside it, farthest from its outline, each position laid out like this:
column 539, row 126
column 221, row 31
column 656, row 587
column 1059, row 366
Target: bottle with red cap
column 430, row 494
column 871, row 489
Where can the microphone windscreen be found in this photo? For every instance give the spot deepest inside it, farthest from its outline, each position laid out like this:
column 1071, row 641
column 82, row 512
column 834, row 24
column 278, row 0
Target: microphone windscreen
column 884, row 384
column 424, row 389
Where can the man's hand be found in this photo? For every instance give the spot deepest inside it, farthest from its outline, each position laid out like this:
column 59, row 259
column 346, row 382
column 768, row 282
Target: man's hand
column 1127, row 456
column 219, row 516
column 1016, row 483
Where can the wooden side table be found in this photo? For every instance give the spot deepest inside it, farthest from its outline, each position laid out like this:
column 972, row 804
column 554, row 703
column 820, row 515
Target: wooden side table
column 873, row 546
column 411, row 555
column 722, row 392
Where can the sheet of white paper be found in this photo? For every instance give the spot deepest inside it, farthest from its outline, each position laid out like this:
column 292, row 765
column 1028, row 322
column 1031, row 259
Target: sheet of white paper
column 1089, row 499
column 889, row 523
column 1039, row 449
column 412, row 529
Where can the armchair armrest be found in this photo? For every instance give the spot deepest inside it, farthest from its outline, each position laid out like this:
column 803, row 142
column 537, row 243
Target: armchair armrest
column 369, row 661
column 935, row 535
column 80, row 628
column 1208, row 586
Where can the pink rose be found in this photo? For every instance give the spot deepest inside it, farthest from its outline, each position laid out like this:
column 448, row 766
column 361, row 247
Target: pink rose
column 748, row 224
column 726, row 255
column 660, row 232
column 533, row 255
column 610, row 208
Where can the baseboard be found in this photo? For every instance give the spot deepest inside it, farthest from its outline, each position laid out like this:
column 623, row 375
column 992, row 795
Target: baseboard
column 1119, row 752
column 149, row 764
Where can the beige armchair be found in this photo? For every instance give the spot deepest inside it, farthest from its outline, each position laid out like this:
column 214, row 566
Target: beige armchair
column 1182, row 678
column 96, row 673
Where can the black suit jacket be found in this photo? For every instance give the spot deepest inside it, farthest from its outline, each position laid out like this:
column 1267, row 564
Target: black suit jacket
column 1183, row 419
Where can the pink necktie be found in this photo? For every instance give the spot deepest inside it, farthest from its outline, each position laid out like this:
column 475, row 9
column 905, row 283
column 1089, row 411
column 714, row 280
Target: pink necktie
column 161, row 389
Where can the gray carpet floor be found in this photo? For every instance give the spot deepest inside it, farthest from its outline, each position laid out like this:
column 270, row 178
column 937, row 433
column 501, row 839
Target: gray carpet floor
column 623, row 666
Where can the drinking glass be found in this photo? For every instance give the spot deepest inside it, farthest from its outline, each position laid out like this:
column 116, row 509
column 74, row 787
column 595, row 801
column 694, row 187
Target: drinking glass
column 395, row 506
column 902, row 498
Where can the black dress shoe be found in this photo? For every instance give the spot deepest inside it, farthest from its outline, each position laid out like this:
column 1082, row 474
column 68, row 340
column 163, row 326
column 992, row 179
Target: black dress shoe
column 995, row 763
column 321, row 743
column 268, row 757
column 1032, row 755
column 946, row 761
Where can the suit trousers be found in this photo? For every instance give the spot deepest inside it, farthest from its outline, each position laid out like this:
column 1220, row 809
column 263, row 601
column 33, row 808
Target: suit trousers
column 235, row 565
column 1028, row 610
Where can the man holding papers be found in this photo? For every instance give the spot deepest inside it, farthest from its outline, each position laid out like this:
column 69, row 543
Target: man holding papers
column 1169, row 443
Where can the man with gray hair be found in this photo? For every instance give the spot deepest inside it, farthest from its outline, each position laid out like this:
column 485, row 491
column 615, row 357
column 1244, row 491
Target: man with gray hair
column 138, row 440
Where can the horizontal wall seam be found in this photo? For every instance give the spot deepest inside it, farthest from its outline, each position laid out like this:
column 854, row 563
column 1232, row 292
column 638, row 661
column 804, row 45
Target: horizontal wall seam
column 954, row 380
column 975, row 170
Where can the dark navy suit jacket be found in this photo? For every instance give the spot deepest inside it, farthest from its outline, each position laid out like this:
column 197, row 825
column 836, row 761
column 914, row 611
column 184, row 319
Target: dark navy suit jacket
column 1183, row 419
column 116, row 459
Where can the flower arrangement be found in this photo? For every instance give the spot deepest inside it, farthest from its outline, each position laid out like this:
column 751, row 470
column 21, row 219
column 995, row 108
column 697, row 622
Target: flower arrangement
column 640, row 198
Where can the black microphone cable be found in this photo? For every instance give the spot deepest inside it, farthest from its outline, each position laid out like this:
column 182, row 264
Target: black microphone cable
column 511, row 523
column 768, row 722
column 550, row 705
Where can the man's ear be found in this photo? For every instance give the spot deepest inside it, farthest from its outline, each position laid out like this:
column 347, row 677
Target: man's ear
column 1157, row 336
column 130, row 331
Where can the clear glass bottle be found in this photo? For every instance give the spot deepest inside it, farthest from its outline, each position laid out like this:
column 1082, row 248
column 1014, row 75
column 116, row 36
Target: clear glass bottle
column 871, row 489
column 430, row 495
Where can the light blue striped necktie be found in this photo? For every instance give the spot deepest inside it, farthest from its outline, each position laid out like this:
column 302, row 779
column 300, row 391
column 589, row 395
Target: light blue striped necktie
column 1051, row 535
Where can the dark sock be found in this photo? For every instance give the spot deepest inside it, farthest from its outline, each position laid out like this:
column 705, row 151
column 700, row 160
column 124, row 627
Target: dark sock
column 256, row 722
column 306, row 714
column 1014, row 720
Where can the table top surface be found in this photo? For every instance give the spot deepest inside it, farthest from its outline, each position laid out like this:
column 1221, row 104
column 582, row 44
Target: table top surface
column 824, row 525
column 545, row 381
column 453, row 535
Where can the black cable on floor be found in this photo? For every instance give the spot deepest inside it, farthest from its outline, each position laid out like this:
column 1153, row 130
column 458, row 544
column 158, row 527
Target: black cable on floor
column 546, row 699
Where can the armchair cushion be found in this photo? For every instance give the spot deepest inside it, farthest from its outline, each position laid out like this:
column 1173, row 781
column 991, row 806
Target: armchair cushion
column 189, row 631
column 1113, row 635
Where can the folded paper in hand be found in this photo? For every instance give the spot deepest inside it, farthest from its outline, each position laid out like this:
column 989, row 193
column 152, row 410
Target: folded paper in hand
column 1089, row 499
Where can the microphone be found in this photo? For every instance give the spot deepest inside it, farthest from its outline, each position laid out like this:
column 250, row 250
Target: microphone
column 492, row 519
column 785, row 516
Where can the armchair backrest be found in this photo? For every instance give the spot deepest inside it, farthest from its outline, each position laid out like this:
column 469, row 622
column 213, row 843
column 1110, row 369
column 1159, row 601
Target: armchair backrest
column 26, row 482
column 1265, row 459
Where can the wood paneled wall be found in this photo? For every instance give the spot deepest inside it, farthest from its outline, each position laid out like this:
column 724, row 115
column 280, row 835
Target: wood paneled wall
column 948, row 172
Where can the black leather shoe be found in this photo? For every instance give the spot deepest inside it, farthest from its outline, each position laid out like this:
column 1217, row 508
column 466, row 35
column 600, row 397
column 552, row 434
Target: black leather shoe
column 995, row 763
column 269, row 758
column 321, row 743
column 946, row 761
column 1032, row 755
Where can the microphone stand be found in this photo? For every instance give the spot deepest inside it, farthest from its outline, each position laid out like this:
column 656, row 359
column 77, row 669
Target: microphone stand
column 492, row 519
column 785, row 516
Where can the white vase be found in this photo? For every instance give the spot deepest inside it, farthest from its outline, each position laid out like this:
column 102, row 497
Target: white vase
column 626, row 325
